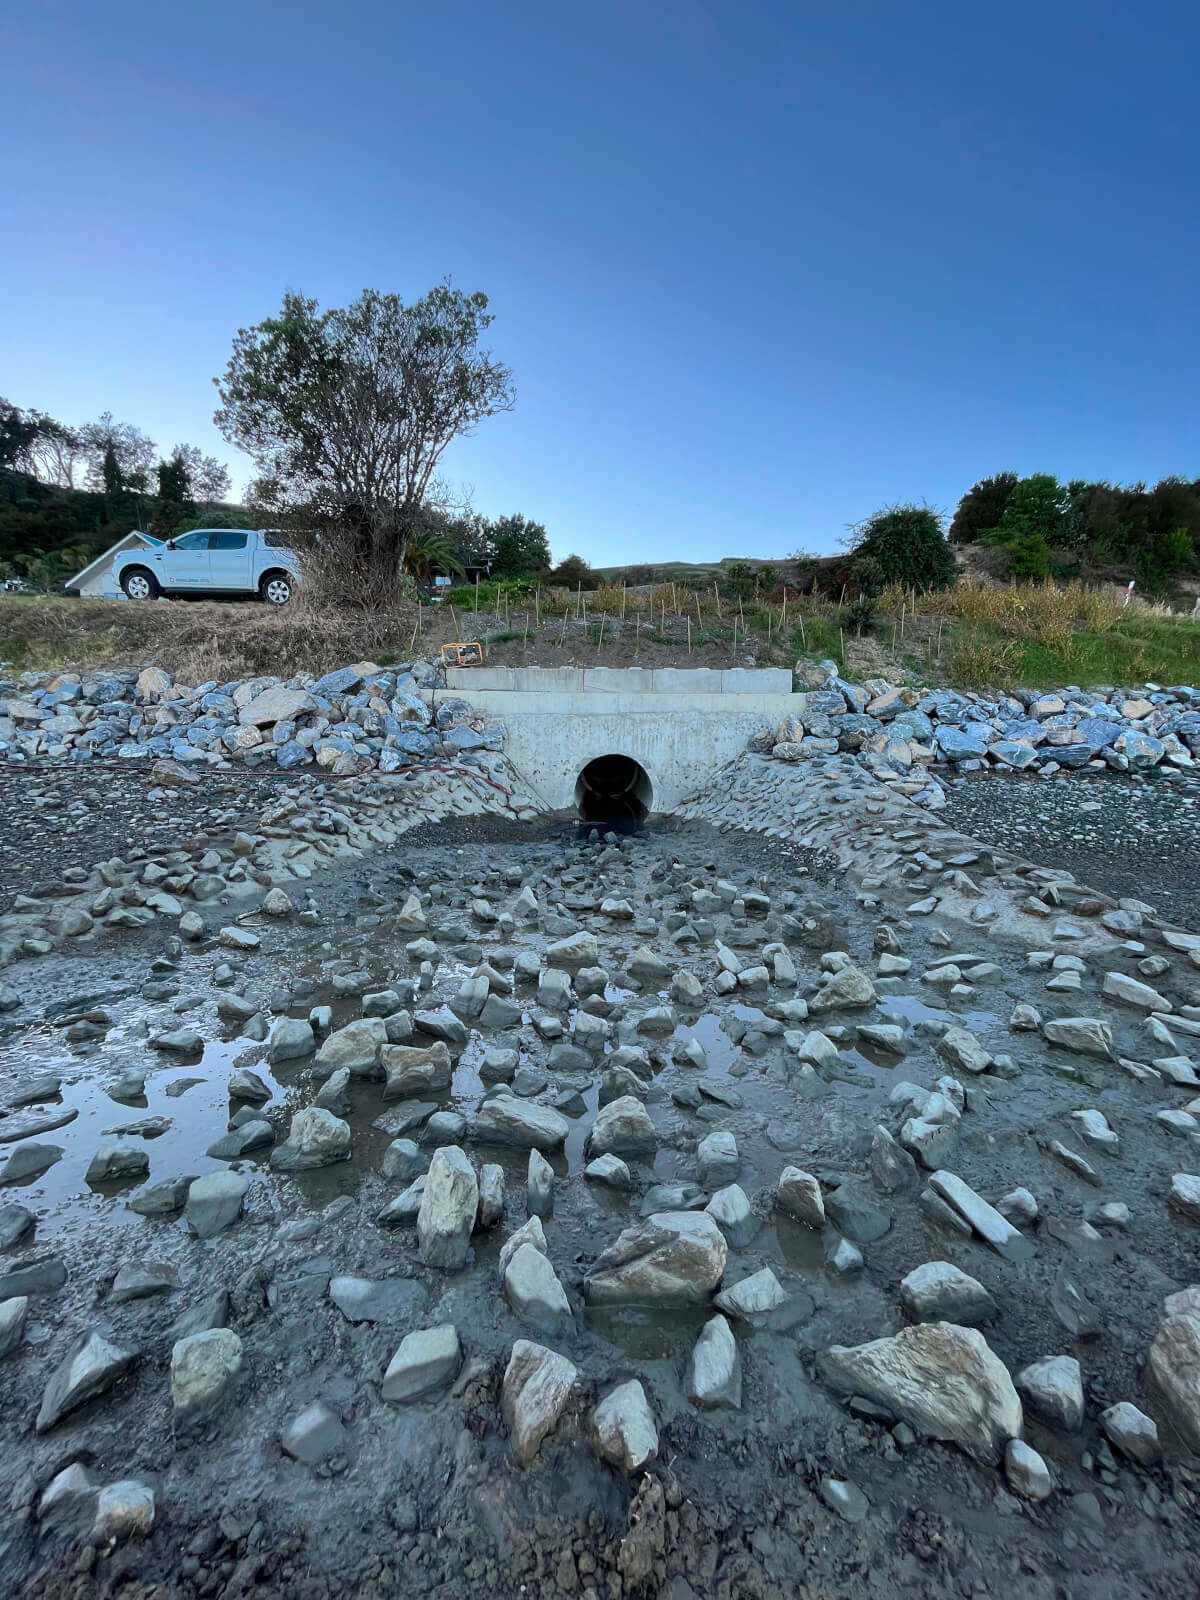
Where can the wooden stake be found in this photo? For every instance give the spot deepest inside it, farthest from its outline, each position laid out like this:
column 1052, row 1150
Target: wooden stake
column 579, row 601
column 622, row 599
column 717, row 598
column 600, row 640
column 476, row 591
column 689, row 623
column 525, row 644
column 803, row 640
column 699, row 618
column 674, row 599
column 413, row 640
column 537, row 606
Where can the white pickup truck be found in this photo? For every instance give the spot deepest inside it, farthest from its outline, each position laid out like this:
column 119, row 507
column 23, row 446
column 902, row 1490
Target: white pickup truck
column 212, row 561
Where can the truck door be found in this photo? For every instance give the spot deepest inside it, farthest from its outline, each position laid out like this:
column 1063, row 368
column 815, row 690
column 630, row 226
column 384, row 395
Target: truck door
column 230, row 557
column 184, row 563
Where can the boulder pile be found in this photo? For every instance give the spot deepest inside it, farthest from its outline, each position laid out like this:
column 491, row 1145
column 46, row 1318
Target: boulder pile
column 899, row 734
column 359, row 719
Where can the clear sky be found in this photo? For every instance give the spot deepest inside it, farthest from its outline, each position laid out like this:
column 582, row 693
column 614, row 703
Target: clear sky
column 758, row 269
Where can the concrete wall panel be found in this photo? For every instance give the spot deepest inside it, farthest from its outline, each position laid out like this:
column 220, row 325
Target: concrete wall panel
column 679, row 750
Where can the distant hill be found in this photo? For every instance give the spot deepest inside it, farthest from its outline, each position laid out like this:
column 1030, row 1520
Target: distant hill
column 691, row 571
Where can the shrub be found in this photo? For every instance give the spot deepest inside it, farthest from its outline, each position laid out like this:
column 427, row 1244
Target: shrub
column 906, row 545
column 1030, row 556
column 573, row 572
column 859, row 614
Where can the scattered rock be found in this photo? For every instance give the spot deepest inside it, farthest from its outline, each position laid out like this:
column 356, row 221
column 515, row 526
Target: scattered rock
column 92, row 1365
column 204, row 1371
column 940, row 1378
column 214, row 1202
column 940, row 1291
column 537, row 1385
column 673, row 1258
column 1131, row 1431
column 1053, row 1390
column 448, row 1208
column 425, row 1360
column 715, row 1369
column 622, row 1428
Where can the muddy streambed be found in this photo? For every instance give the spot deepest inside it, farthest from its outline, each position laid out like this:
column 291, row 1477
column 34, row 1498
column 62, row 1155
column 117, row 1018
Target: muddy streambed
column 430, row 1491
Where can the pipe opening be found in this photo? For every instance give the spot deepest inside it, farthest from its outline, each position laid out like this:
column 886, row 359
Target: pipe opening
column 613, row 789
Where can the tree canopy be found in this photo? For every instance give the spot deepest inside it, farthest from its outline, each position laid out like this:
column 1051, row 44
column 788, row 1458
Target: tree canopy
column 1050, row 526
column 347, row 412
column 68, row 492
column 520, row 548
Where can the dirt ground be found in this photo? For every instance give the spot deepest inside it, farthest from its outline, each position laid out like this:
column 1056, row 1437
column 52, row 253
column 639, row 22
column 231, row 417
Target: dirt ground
column 426, row 1499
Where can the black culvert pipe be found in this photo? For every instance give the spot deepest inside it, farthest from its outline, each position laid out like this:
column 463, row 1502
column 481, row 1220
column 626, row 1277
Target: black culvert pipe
column 613, row 788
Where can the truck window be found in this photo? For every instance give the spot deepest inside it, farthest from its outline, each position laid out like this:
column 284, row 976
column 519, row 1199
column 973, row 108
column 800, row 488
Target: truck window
column 227, row 541
column 193, row 541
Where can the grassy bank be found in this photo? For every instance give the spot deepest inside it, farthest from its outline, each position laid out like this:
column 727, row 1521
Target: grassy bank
column 972, row 636
column 193, row 640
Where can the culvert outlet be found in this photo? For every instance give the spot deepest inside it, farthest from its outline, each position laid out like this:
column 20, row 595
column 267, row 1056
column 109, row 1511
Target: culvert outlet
column 613, row 789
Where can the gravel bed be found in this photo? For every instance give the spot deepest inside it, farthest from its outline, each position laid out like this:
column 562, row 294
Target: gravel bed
column 1126, row 836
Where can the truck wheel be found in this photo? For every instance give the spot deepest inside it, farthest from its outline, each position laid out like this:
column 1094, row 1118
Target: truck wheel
column 139, row 584
column 275, row 588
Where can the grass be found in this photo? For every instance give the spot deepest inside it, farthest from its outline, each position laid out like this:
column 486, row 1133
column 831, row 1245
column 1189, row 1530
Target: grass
column 195, row 641
column 973, row 636
column 1135, row 650
column 1044, row 635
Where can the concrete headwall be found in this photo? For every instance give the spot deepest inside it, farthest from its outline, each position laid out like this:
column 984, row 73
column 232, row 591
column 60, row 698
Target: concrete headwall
column 681, row 725
column 622, row 680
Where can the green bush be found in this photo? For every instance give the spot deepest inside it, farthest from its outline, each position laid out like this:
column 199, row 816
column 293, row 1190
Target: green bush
column 1030, row 556
column 859, row 614
column 905, row 544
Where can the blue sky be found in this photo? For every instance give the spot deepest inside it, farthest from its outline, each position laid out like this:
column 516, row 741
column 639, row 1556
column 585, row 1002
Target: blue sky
column 758, row 269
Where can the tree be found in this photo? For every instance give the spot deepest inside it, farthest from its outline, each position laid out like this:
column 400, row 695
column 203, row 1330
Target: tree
column 132, row 450
column 208, row 477
column 905, row 544
column 18, row 434
column 173, row 503
column 1036, row 509
column 114, row 478
column 520, row 548
column 471, row 536
column 348, row 411
column 572, row 572
column 57, row 452
column 431, row 553
column 981, row 508
column 33, row 442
